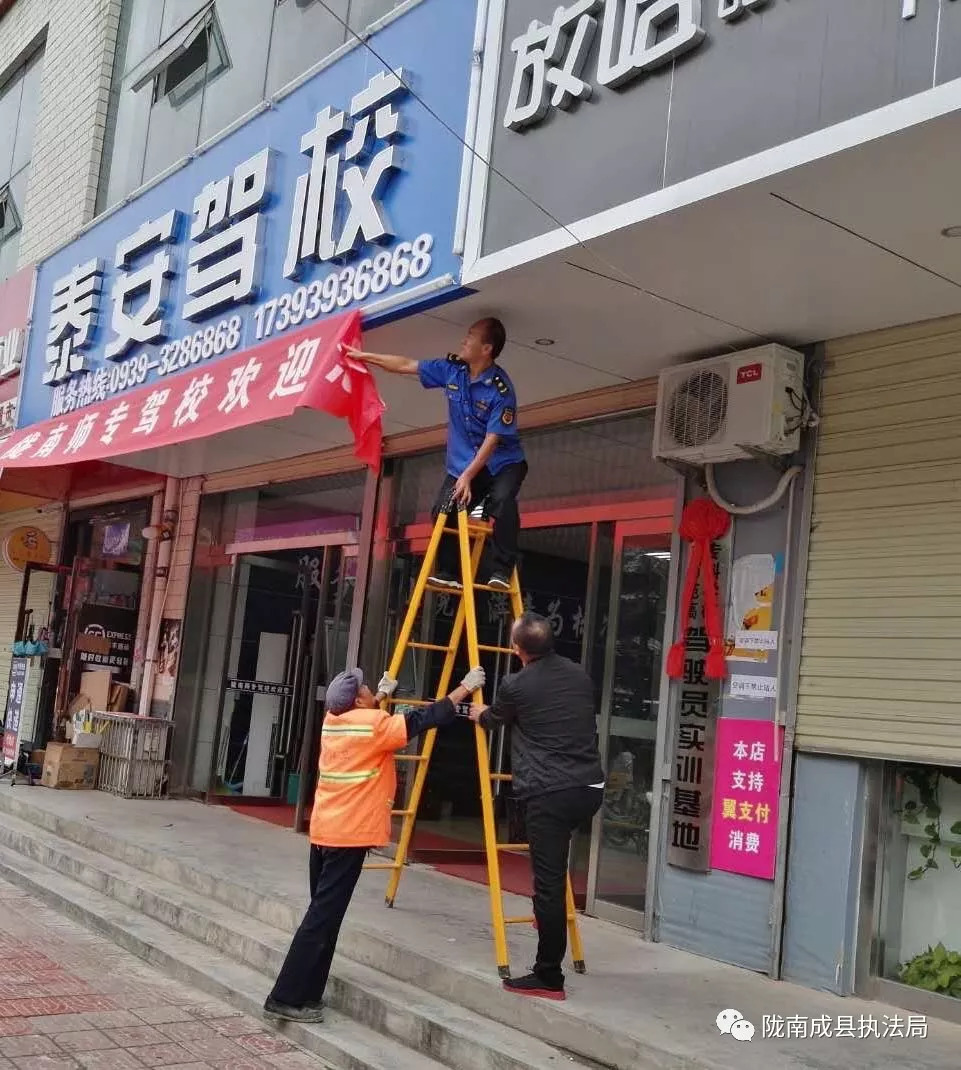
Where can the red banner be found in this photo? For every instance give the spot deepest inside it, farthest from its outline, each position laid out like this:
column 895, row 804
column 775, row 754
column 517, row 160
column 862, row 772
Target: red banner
column 268, row 382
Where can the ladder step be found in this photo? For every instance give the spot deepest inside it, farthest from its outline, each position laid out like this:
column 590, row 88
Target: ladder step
column 492, row 649
column 472, row 529
column 429, row 646
column 401, row 813
column 513, row 847
column 496, row 590
column 381, row 865
column 526, row 919
column 410, row 701
column 440, row 588
column 502, row 776
column 410, row 758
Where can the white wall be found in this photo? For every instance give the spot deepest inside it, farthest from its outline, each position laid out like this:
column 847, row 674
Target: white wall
column 81, row 37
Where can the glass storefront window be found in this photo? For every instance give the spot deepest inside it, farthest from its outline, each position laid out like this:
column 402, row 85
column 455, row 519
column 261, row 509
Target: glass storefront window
column 920, row 925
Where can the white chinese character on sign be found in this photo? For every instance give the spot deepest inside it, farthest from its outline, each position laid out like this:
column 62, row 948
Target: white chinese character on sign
column 150, row 412
column 226, row 238
column 71, row 396
column 734, row 9
column 25, row 445
column 796, row 1027
column 755, row 782
column 498, row 606
column 84, row 390
column 738, row 781
column 188, row 411
column 117, row 415
column 100, row 386
column 52, row 441
column 343, row 372
column 757, row 752
column 74, row 310
column 845, row 1026
column 139, row 294
column 292, row 377
column 239, row 383
column 551, row 55
column 81, row 433
column 58, row 405
column 740, row 750
column 735, row 840
column 312, row 234
column 554, row 617
column 752, row 843
column 577, row 621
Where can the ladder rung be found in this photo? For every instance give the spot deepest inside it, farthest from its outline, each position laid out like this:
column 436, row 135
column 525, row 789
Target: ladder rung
column 401, row 813
column 513, row 847
column 493, row 649
column 502, row 776
column 496, row 590
column 410, row 757
column 410, row 701
column 381, row 865
column 441, row 589
column 526, row 919
column 472, row 529
column 430, row 646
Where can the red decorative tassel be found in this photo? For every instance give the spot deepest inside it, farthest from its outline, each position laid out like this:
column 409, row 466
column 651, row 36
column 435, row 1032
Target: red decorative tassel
column 702, row 522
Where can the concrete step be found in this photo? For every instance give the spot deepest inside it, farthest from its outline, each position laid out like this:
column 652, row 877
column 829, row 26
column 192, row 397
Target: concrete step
column 383, row 948
column 451, row 1034
column 342, row 1042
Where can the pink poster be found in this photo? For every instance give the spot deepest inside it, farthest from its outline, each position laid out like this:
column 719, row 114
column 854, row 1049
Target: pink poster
column 747, row 784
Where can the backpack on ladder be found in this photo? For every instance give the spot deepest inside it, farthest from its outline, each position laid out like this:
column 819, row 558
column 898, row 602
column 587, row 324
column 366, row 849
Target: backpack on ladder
column 471, row 536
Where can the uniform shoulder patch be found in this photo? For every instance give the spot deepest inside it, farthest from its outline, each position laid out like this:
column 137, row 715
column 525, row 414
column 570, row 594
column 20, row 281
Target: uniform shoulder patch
column 500, row 384
column 453, row 358
column 507, row 417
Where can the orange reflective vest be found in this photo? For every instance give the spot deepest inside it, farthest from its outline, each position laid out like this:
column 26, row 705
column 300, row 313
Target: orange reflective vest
column 356, row 779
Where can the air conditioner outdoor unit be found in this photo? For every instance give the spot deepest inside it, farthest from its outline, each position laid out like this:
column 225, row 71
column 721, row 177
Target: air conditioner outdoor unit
column 708, row 411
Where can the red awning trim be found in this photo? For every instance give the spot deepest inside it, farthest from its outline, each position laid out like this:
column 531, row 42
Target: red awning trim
column 268, row 382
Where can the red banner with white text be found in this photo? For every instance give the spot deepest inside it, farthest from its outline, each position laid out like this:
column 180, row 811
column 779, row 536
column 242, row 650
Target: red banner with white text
column 267, row 382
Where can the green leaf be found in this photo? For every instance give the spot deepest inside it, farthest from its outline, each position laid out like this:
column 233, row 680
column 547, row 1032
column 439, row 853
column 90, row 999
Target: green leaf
column 911, row 819
column 926, row 850
column 933, row 811
column 956, row 829
column 916, row 874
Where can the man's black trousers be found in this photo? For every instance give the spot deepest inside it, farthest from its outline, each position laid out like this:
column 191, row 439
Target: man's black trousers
column 334, row 872
column 501, row 494
column 552, row 820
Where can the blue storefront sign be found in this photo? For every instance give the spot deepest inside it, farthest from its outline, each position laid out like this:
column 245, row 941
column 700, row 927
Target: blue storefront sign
column 340, row 196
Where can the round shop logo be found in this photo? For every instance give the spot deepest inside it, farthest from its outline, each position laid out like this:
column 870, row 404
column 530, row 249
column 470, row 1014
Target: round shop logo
column 26, row 545
column 733, row 1022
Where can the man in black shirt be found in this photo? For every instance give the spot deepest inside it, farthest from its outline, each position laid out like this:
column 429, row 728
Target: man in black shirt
column 557, row 774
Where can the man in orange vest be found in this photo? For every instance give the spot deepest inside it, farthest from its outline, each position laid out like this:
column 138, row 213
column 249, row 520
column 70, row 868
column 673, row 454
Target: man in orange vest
column 356, row 784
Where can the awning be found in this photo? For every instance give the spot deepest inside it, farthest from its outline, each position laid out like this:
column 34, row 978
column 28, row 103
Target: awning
column 269, row 382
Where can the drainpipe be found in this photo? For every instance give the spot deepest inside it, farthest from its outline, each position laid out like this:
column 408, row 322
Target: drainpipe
column 146, row 594
column 165, row 533
column 470, row 133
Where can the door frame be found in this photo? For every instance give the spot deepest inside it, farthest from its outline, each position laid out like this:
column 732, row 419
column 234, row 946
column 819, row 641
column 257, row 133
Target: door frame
column 660, row 533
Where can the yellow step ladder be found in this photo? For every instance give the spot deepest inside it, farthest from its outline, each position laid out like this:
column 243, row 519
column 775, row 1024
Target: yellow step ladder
column 472, row 536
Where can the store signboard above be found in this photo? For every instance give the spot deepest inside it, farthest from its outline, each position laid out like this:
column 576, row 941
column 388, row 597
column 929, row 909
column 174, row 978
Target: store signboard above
column 15, row 294
column 651, row 93
column 340, row 196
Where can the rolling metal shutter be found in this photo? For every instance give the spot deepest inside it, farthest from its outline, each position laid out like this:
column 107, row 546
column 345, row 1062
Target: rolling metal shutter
column 881, row 649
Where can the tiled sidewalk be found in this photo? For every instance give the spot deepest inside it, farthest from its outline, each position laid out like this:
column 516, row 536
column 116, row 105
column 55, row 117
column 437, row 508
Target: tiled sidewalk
column 71, row 999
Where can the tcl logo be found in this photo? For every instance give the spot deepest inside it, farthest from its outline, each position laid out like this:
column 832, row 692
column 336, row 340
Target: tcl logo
column 750, row 373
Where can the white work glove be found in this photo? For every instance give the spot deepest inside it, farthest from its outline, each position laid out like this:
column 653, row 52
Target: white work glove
column 387, row 686
column 474, row 680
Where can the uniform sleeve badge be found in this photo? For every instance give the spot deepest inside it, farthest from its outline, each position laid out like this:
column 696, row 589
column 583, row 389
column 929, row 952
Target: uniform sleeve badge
column 507, row 417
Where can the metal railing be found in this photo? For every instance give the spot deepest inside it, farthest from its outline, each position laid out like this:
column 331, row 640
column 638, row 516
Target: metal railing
column 134, row 753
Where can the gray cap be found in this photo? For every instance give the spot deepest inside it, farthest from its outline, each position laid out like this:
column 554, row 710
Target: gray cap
column 342, row 690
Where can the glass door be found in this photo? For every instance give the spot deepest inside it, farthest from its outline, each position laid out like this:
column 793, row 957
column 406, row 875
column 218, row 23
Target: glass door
column 634, row 636
column 289, row 620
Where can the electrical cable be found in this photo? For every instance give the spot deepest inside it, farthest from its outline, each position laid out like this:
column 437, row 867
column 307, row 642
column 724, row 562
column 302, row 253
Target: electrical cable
column 625, row 278
column 758, row 507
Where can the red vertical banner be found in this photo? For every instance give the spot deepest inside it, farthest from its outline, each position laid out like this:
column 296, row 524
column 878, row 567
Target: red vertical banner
column 747, row 790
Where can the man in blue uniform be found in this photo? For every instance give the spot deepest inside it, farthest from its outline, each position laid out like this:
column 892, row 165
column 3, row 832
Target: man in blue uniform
column 485, row 460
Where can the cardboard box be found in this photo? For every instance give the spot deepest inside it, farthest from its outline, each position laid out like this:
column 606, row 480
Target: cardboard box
column 96, row 685
column 68, row 767
column 92, row 644
column 119, row 696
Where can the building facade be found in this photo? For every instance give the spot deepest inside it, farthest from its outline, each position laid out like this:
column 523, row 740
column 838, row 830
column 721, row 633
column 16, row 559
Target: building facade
column 629, row 187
